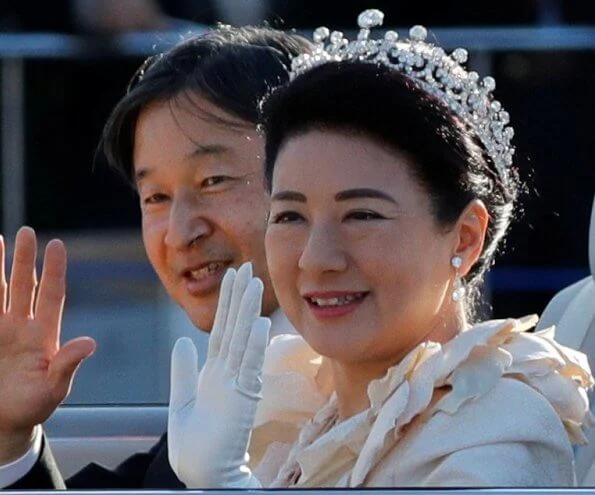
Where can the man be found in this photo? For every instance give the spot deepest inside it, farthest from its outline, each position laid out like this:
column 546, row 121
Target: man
column 185, row 135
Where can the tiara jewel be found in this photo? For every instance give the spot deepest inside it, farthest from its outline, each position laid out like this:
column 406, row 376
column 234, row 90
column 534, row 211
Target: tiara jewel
column 437, row 72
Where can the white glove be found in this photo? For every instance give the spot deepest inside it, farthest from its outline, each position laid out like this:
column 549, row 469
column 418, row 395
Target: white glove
column 211, row 415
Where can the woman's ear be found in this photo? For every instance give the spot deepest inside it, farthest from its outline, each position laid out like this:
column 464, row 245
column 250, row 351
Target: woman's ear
column 471, row 230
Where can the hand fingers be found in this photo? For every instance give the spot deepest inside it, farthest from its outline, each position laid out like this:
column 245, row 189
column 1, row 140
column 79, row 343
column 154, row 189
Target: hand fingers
column 66, row 362
column 239, row 287
column 183, row 389
column 22, row 276
column 250, row 307
column 184, row 374
column 249, row 377
column 221, row 314
column 52, row 291
column 2, row 276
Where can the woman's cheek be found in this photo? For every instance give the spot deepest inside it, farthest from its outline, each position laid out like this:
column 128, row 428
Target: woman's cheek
column 282, row 253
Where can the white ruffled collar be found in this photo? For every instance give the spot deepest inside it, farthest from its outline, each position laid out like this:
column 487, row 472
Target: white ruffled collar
column 297, row 390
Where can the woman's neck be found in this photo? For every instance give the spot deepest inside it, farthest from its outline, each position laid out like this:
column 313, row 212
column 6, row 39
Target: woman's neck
column 351, row 379
column 351, row 382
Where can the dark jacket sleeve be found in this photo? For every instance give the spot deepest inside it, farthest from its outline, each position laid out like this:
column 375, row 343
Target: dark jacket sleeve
column 130, row 474
column 43, row 475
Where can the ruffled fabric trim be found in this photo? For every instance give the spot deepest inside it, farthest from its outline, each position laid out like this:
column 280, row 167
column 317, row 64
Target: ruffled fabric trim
column 469, row 365
column 292, row 382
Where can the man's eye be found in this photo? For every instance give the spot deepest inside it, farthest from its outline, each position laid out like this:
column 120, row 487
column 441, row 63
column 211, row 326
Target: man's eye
column 287, row 217
column 215, row 180
column 154, row 199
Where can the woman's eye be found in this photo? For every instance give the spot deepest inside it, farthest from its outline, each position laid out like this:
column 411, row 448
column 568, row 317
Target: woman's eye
column 363, row 215
column 286, row 217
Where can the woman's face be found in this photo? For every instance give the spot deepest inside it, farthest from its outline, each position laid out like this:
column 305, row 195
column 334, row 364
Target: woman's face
column 357, row 260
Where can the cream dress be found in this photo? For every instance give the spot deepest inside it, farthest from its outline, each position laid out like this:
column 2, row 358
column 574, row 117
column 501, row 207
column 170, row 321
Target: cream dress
column 496, row 406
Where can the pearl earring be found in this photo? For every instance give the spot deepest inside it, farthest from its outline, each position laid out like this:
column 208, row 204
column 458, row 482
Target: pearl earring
column 459, row 291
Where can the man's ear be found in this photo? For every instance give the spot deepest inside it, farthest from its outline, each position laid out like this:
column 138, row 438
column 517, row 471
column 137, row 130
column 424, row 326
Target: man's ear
column 471, row 228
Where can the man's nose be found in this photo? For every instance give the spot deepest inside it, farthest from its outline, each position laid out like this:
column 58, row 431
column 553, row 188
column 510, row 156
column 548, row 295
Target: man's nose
column 188, row 223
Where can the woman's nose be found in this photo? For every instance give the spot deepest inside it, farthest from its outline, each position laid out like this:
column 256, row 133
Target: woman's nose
column 324, row 251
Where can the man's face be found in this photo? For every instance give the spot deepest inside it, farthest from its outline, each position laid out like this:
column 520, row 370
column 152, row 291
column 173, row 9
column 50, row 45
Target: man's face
column 203, row 201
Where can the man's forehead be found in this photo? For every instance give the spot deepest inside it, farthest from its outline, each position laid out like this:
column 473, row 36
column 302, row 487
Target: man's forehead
column 241, row 151
column 191, row 156
column 197, row 106
column 194, row 129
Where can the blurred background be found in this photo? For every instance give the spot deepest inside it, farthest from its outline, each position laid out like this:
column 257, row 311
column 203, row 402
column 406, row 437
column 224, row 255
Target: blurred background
column 65, row 63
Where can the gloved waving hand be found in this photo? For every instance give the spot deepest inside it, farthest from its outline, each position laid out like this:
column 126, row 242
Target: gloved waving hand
column 211, row 414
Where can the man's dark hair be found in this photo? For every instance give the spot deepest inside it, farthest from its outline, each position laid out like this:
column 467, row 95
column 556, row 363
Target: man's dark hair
column 233, row 68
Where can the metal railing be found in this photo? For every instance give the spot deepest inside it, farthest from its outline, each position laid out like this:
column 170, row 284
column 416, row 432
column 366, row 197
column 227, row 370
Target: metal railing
column 17, row 49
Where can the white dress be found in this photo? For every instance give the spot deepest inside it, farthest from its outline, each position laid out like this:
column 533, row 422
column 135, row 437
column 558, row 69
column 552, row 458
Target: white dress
column 496, row 406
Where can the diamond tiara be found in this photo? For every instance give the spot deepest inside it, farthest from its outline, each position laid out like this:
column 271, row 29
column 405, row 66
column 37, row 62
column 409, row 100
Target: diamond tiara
column 435, row 71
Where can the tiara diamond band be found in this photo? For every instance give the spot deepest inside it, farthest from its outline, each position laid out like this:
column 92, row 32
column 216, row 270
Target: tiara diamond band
column 438, row 73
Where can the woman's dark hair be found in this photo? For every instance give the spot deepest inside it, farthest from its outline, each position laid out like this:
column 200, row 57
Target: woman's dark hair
column 233, row 68
column 371, row 100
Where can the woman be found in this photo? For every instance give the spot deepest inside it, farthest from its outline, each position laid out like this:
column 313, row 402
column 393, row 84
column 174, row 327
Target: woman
column 392, row 185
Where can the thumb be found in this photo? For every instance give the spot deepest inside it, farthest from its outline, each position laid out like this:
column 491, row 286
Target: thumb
column 65, row 363
column 184, row 374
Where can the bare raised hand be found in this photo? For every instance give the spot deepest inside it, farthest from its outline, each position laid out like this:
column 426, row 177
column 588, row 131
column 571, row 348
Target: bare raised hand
column 35, row 371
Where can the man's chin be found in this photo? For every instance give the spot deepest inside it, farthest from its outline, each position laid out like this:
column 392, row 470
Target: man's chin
column 200, row 311
column 201, row 322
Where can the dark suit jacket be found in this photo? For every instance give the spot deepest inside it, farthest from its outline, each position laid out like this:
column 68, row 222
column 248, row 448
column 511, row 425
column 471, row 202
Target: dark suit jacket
column 146, row 470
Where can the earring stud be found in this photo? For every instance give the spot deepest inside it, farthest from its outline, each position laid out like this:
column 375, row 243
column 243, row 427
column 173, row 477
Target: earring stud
column 459, row 289
column 456, row 262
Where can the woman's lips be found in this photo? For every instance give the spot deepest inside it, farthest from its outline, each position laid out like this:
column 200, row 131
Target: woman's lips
column 334, row 304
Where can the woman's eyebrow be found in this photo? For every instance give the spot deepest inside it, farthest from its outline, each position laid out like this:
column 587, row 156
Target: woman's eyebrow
column 364, row 192
column 289, row 196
